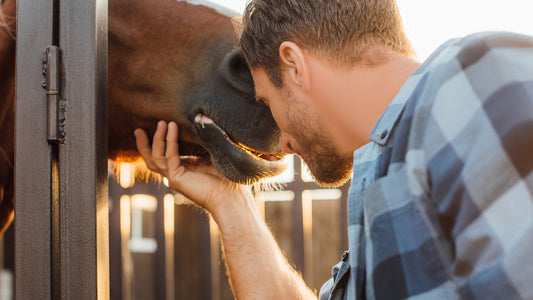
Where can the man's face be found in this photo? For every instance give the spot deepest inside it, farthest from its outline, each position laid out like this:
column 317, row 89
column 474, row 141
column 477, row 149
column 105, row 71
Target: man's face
column 303, row 130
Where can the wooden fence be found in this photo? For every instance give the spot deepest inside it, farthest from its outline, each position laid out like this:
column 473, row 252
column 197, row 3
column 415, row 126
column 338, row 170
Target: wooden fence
column 308, row 222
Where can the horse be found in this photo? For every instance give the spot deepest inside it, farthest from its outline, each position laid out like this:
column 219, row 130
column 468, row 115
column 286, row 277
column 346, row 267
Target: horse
column 168, row 60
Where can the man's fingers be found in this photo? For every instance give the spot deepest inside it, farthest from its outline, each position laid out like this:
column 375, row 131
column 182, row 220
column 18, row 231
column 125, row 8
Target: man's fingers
column 172, row 140
column 158, row 145
column 143, row 146
column 172, row 152
column 186, row 176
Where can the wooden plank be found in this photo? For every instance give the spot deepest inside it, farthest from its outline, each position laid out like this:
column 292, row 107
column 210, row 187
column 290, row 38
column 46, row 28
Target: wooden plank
column 216, row 261
column 297, row 231
column 156, row 280
column 326, row 240
column 308, row 226
column 83, row 203
column 164, row 256
column 7, row 242
column 8, row 251
column 343, row 215
column 119, row 255
column 143, row 277
column 33, row 154
column 192, row 259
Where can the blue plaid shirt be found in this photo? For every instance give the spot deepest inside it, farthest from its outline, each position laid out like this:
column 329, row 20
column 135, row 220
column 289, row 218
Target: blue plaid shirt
column 441, row 203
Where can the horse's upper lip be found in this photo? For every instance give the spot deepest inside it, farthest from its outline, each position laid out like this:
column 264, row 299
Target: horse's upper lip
column 201, row 120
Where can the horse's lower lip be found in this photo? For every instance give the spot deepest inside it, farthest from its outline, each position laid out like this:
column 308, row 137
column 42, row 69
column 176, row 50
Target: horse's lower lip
column 203, row 120
column 234, row 162
column 193, row 150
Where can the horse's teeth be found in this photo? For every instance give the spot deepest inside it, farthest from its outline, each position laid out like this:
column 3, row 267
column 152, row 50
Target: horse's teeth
column 203, row 119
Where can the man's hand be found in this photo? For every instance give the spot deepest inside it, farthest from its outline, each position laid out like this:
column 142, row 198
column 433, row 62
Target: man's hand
column 201, row 184
column 257, row 268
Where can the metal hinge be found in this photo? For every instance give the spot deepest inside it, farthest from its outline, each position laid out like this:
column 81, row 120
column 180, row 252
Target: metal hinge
column 55, row 106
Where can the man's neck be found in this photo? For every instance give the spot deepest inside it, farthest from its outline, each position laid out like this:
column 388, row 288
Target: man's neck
column 358, row 96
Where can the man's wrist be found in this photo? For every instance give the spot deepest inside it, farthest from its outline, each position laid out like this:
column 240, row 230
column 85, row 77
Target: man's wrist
column 236, row 211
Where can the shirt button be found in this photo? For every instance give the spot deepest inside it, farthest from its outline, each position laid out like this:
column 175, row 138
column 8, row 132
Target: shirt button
column 384, row 134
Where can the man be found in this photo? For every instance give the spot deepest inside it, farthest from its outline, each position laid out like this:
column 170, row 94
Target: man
column 441, row 203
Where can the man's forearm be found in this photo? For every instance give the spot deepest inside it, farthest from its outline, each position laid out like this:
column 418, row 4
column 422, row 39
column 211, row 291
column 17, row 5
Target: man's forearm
column 258, row 269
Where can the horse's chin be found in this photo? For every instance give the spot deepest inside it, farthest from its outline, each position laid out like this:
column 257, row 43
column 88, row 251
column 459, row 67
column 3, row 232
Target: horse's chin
column 246, row 170
column 237, row 162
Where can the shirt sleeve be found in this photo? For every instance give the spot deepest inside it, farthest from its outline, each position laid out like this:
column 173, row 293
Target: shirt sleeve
column 478, row 144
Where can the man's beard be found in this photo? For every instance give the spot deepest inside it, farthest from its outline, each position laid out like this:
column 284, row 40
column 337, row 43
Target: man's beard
column 328, row 168
column 315, row 147
column 327, row 165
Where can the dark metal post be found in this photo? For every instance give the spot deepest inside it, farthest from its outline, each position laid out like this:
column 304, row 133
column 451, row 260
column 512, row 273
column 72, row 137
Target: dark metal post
column 61, row 189
column 33, row 274
column 83, row 200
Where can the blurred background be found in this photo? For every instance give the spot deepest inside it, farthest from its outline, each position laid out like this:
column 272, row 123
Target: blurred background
column 164, row 248
column 430, row 23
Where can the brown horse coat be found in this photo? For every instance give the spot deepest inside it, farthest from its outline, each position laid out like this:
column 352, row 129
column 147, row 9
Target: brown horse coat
column 168, row 60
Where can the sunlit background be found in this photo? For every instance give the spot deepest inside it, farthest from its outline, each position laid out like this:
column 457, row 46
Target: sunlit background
column 163, row 248
column 429, row 23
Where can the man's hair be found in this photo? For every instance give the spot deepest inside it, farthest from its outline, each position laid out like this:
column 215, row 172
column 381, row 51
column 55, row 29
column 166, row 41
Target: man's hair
column 339, row 30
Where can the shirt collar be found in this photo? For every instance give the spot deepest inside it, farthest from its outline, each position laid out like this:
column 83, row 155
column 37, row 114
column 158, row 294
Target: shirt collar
column 383, row 128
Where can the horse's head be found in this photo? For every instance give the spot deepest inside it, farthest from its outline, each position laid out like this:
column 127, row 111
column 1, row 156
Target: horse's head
column 178, row 62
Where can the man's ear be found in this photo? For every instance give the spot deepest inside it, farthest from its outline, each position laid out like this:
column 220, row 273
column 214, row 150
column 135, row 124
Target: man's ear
column 294, row 64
